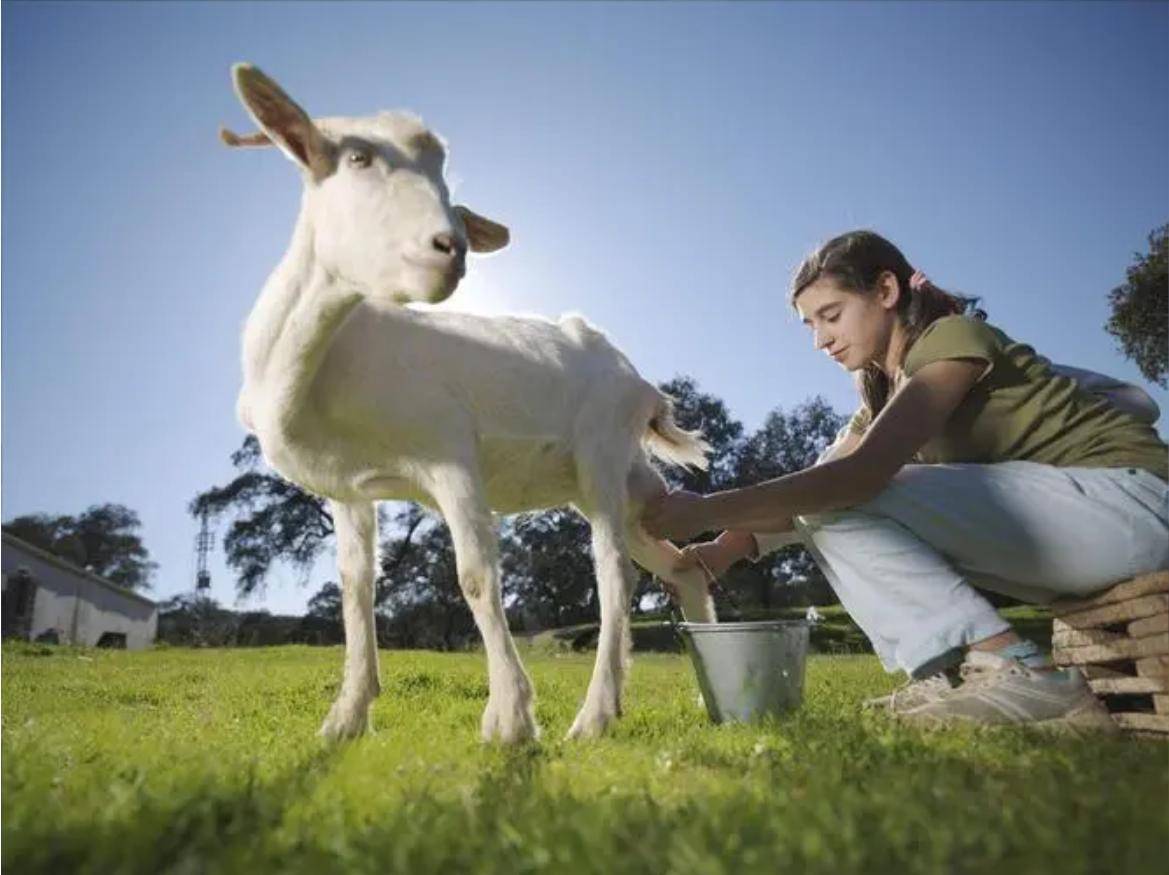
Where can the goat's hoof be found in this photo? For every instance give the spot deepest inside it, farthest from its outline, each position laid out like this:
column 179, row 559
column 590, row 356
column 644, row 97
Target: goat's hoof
column 592, row 722
column 509, row 722
column 346, row 721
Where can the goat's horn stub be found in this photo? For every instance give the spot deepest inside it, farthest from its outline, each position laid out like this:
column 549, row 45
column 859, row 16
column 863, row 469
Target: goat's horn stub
column 233, row 139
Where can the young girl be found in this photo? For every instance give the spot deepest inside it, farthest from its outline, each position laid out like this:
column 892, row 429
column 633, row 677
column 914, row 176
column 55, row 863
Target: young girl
column 971, row 463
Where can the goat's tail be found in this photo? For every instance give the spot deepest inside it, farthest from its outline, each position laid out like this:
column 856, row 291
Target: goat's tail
column 664, row 439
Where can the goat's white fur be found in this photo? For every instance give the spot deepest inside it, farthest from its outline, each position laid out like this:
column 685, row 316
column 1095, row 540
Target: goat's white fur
column 359, row 399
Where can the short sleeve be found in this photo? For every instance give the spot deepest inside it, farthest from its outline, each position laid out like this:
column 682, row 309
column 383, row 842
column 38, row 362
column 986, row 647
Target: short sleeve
column 771, row 541
column 954, row 337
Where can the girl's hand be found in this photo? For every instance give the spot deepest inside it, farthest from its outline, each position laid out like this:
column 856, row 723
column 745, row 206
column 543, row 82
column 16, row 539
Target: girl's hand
column 708, row 556
column 717, row 556
column 675, row 515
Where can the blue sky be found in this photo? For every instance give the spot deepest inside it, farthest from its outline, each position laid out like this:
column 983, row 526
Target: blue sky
column 663, row 167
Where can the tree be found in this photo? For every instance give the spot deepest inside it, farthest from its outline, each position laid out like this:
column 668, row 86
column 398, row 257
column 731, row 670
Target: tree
column 1140, row 309
column 785, row 443
column 548, row 568
column 103, row 539
column 418, row 589
column 53, row 534
column 326, row 604
column 275, row 520
column 193, row 620
column 697, row 410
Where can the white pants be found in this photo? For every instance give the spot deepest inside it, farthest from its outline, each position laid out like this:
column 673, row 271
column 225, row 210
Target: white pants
column 905, row 565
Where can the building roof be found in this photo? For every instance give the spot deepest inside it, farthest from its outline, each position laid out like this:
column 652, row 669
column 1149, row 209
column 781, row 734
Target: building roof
column 53, row 559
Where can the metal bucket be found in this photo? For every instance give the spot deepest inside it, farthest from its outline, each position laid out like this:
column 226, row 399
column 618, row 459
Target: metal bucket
column 748, row 670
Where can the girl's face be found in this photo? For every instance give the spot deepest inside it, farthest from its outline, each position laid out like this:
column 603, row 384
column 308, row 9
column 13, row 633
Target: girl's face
column 853, row 329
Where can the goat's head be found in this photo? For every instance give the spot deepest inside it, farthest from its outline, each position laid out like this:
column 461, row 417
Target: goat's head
column 375, row 195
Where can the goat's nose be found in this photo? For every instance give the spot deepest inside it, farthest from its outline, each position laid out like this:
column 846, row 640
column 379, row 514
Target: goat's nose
column 448, row 244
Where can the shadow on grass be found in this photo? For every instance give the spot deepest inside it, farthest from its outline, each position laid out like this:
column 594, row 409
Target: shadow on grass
column 821, row 790
column 809, row 793
column 509, row 776
column 189, row 833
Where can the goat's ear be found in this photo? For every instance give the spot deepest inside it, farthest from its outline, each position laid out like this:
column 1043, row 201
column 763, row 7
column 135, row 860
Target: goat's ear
column 483, row 235
column 286, row 124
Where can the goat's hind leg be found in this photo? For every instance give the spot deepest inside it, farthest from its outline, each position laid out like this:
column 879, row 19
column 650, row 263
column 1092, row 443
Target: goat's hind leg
column 458, row 492
column 660, row 557
column 356, row 528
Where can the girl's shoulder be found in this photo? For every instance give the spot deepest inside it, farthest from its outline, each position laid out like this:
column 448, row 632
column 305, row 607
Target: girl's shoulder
column 953, row 337
column 959, row 325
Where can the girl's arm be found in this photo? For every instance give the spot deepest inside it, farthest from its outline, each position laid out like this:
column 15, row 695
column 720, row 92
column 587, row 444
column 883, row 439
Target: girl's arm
column 843, row 447
column 915, row 414
column 753, row 545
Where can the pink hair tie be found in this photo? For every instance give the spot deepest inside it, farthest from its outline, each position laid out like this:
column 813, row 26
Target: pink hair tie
column 919, row 281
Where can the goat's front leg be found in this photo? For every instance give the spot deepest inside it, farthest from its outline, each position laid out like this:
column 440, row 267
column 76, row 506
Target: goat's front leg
column 457, row 490
column 356, row 528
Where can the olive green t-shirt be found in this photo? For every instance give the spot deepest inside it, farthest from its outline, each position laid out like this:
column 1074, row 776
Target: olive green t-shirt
column 1021, row 410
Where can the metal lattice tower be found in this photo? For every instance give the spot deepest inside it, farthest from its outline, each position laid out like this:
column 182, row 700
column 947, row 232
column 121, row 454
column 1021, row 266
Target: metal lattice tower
column 203, row 544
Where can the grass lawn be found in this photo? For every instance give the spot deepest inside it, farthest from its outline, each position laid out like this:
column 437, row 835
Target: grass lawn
column 184, row 761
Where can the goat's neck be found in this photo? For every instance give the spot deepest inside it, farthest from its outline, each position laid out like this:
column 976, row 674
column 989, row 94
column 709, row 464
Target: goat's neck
column 291, row 327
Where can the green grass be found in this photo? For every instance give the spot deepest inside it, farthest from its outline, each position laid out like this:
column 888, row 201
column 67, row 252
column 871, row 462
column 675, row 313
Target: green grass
column 180, row 761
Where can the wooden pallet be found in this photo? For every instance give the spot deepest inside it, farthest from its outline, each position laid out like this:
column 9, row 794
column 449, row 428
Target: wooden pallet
column 1119, row 639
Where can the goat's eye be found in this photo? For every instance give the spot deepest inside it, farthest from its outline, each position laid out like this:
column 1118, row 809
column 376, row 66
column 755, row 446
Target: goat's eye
column 359, row 158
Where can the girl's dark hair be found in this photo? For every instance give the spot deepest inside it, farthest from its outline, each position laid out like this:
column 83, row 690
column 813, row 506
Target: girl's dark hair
column 855, row 261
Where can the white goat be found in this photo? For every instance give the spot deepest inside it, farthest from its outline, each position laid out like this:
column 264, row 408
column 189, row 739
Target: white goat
column 359, row 399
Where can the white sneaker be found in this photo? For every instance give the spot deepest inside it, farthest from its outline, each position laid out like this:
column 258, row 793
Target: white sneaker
column 997, row 691
column 912, row 694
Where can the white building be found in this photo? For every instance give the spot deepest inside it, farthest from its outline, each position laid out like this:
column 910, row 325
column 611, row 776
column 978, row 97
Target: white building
column 50, row 599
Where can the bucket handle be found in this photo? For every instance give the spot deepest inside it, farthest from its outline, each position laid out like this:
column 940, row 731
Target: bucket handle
column 717, row 588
